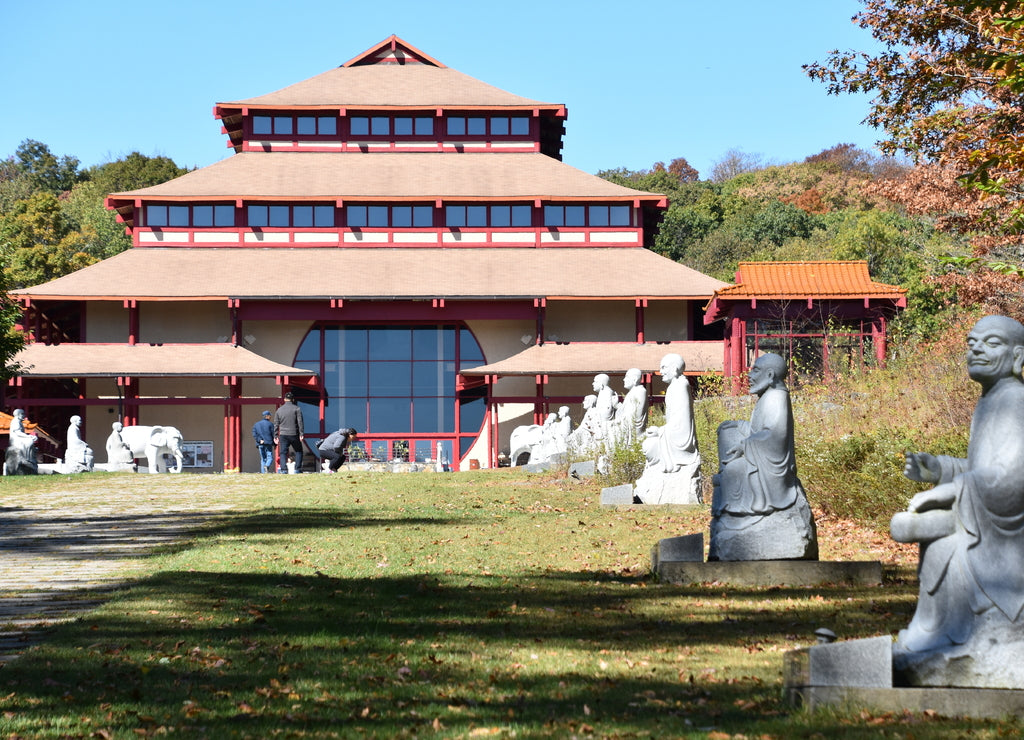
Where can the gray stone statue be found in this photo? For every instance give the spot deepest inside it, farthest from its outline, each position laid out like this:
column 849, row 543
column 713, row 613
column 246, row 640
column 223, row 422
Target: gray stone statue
column 631, row 415
column 758, row 509
column 78, row 457
column 590, row 433
column 118, row 453
column 968, row 629
column 672, row 472
column 604, row 406
column 20, row 458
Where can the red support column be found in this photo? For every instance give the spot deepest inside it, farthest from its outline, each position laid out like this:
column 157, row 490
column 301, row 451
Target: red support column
column 641, row 304
column 232, row 427
column 133, row 320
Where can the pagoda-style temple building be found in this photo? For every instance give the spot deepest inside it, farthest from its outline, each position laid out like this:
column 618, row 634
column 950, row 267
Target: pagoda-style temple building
column 395, row 242
column 822, row 316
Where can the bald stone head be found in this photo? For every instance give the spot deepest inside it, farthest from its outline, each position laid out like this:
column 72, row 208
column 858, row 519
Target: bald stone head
column 995, row 350
column 769, row 371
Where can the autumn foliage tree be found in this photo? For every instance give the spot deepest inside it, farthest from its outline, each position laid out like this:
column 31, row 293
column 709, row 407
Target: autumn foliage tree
column 947, row 92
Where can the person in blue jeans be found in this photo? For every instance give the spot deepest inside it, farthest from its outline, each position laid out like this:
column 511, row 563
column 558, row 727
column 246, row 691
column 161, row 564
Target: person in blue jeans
column 263, row 433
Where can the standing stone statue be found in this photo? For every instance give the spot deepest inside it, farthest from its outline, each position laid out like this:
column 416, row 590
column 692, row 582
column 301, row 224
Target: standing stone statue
column 78, row 457
column 758, row 509
column 672, row 473
column 20, row 458
column 968, row 629
column 631, row 415
column 607, row 401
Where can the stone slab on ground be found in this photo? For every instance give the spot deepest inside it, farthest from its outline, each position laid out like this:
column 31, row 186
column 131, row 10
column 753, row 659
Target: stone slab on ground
column 617, row 495
column 585, row 469
column 974, row 703
column 686, row 548
column 772, row 572
column 855, row 663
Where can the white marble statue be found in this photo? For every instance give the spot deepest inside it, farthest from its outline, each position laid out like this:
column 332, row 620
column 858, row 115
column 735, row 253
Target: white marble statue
column 20, row 457
column 672, row 473
column 606, row 403
column 118, row 452
column 631, row 414
column 758, row 509
column 968, row 629
column 562, row 431
column 152, row 443
column 78, row 457
column 589, row 436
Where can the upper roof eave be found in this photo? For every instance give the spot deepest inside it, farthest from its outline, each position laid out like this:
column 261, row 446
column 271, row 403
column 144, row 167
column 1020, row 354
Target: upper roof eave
column 387, row 175
column 505, row 273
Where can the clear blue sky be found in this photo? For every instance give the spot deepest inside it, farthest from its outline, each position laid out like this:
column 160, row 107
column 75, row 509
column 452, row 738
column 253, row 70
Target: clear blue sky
column 643, row 82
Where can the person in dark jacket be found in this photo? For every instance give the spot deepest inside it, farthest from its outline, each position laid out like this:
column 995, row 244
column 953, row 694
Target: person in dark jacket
column 335, row 447
column 263, row 433
column 288, row 432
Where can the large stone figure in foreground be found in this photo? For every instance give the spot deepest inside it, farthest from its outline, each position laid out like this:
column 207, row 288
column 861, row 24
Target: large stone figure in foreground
column 758, row 509
column 672, row 472
column 968, row 629
column 20, row 457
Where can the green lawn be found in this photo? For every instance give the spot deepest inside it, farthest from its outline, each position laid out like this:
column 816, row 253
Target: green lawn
column 483, row 604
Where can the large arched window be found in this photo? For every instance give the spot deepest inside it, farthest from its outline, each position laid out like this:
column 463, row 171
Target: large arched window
column 388, row 381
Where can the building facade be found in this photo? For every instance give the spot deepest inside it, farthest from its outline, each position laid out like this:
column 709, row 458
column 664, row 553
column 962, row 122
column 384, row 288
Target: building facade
column 395, row 242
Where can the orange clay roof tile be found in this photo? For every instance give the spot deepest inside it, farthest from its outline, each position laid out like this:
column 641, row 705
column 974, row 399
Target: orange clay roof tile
column 796, row 280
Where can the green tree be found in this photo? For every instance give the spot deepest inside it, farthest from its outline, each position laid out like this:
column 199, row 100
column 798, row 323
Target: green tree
column 44, row 170
column 11, row 339
column 37, row 244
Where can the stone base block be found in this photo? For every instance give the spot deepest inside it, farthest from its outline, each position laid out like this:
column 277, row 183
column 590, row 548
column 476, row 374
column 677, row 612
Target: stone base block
column 688, row 548
column 853, row 663
column 772, row 572
column 617, row 495
column 974, row 703
column 584, row 469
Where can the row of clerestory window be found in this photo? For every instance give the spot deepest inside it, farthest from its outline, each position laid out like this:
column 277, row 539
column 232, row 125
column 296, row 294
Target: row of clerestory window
column 390, row 125
column 386, row 216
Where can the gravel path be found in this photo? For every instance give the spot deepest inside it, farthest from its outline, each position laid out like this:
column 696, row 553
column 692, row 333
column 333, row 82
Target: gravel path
column 61, row 554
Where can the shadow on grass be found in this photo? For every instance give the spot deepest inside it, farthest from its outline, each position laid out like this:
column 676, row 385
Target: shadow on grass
column 102, row 537
column 224, row 655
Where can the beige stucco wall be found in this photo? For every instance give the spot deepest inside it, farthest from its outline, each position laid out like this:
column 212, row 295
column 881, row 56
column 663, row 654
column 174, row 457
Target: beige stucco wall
column 666, row 321
column 590, row 321
column 106, row 321
column 184, row 321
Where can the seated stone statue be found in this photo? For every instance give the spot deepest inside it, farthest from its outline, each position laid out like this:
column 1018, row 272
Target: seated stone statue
column 78, row 457
column 118, row 452
column 968, row 629
column 589, row 435
column 758, row 509
column 672, row 472
column 20, row 458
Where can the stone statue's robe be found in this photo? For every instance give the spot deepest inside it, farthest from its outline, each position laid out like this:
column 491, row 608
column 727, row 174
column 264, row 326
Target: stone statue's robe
column 631, row 416
column 676, row 448
column 981, row 564
column 758, row 473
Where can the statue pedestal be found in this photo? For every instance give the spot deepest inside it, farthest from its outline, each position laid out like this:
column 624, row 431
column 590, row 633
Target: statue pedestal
column 680, row 487
column 992, row 658
column 788, row 534
column 859, row 673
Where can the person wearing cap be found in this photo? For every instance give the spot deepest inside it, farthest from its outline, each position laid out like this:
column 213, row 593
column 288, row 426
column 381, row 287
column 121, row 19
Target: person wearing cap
column 335, row 447
column 263, row 433
column 288, row 430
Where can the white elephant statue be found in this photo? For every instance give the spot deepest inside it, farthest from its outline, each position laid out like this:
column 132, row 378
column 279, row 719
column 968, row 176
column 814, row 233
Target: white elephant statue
column 152, row 443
